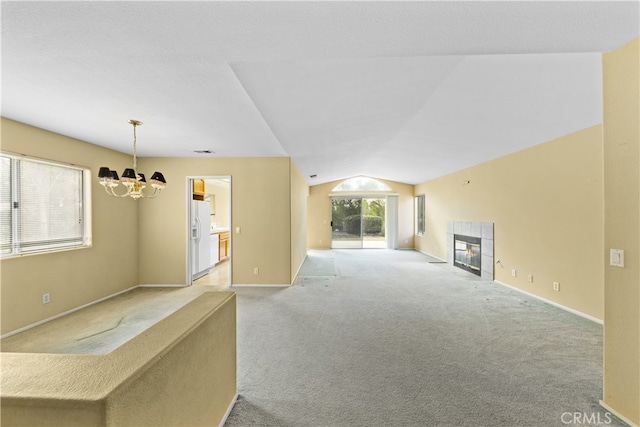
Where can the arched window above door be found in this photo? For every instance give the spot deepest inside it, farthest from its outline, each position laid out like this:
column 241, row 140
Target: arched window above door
column 362, row 183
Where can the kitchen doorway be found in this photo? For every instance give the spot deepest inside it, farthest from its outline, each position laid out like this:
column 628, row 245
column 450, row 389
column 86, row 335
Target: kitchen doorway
column 209, row 231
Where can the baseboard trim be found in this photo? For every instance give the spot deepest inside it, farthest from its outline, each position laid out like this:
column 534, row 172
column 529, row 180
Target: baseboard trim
column 555, row 304
column 73, row 310
column 229, row 409
column 295, row 276
column 163, row 286
column 249, row 285
column 617, row 414
column 444, row 261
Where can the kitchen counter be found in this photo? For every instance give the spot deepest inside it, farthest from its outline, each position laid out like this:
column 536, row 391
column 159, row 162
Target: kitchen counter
column 222, row 235
column 219, row 230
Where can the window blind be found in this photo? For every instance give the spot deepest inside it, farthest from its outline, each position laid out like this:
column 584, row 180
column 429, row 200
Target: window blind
column 6, row 227
column 42, row 206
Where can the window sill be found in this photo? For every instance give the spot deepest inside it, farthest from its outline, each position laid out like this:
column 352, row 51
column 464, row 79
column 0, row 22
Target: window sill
column 52, row 251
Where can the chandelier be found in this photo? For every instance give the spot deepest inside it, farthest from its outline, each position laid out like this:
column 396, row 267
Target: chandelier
column 133, row 182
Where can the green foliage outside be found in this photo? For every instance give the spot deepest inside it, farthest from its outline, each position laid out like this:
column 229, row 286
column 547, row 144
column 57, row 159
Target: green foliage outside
column 346, row 216
column 343, row 208
column 372, row 224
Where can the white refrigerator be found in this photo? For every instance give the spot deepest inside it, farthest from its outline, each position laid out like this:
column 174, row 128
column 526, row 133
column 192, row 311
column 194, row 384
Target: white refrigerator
column 200, row 238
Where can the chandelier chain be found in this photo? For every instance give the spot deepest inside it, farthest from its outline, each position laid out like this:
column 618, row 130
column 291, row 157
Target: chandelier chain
column 135, row 156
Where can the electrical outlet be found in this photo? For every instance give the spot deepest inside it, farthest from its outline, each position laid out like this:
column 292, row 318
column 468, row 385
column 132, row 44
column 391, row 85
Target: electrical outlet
column 256, row 270
column 530, row 278
column 514, row 273
column 556, row 286
column 46, row 298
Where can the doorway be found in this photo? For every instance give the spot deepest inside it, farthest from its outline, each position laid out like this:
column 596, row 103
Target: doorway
column 358, row 222
column 209, row 231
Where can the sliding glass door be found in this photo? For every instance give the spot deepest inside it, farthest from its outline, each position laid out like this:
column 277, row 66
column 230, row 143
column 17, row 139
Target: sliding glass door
column 344, row 233
column 358, row 222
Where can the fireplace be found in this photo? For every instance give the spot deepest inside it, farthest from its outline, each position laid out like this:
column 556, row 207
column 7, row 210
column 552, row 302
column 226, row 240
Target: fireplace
column 474, row 253
column 467, row 252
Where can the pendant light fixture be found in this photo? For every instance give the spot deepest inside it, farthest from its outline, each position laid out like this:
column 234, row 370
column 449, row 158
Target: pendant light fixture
column 133, row 181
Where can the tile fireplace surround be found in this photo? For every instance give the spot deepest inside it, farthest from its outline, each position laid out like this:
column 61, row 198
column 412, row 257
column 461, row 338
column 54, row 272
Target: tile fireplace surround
column 483, row 230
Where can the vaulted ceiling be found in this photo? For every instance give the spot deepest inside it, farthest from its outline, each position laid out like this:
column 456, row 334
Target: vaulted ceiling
column 405, row 91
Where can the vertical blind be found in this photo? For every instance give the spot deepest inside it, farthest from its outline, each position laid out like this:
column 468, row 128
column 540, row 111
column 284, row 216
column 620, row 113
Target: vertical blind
column 6, row 224
column 419, row 215
column 392, row 222
column 42, row 205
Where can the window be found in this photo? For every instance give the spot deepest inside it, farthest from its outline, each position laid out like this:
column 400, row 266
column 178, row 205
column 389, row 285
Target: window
column 43, row 206
column 362, row 183
column 419, row 215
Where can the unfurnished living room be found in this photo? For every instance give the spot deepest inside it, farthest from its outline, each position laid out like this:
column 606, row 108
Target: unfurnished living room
column 340, row 213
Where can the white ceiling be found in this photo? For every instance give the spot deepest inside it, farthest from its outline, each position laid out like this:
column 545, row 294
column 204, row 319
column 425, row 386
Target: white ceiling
column 405, row 91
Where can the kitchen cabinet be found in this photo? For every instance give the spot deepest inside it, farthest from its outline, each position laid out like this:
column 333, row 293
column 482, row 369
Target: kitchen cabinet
column 219, row 246
column 215, row 246
column 198, row 189
column 223, row 245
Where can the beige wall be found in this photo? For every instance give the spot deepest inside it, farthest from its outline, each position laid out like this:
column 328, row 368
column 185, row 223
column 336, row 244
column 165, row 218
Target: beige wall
column 546, row 203
column 260, row 206
column 319, row 214
column 144, row 241
column 299, row 195
column 621, row 96
column 76, row 277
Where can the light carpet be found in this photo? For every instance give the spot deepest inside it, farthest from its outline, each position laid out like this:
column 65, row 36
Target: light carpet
column 385, row 338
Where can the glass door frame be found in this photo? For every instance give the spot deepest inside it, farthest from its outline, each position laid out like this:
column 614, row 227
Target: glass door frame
column 362, row 242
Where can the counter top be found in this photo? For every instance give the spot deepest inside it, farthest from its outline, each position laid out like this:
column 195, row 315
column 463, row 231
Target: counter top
column 105, row 389
column 219, row 230
column 87, row 377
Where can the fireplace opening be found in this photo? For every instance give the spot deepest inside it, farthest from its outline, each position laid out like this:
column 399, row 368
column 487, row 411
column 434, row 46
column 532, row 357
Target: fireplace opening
column 467, row 253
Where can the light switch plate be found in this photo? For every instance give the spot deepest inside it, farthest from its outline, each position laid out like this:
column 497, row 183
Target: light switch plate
column 616, row 257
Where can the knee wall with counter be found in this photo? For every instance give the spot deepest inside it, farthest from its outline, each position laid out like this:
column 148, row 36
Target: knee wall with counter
column 180, row 371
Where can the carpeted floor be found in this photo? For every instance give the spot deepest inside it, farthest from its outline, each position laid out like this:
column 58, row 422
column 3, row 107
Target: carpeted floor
column 386, row 338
